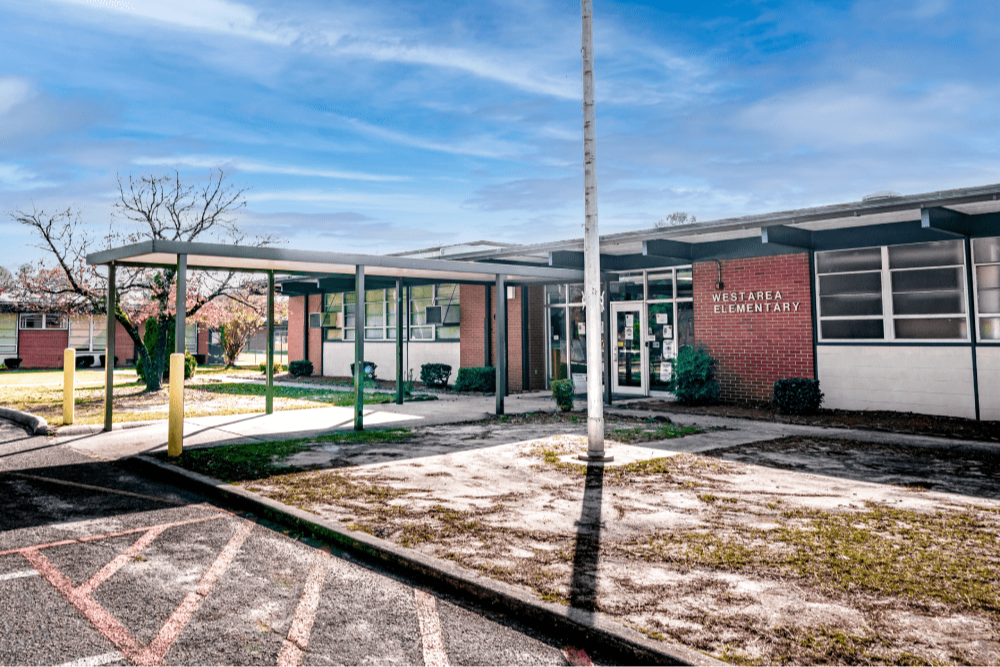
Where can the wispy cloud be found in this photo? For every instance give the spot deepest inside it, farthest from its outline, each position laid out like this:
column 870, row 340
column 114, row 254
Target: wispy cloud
column 255, row 167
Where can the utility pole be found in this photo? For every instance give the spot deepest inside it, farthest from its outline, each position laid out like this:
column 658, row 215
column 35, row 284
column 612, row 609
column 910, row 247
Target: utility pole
column 591, row 251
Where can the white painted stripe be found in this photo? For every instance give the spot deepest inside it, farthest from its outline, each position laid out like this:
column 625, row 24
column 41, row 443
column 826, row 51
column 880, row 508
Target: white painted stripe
column 96, row 660
column 430, row 630
column 18, row 575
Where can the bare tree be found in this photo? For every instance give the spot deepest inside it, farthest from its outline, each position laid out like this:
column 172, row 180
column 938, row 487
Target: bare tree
column 675, row 218
column 150, row 207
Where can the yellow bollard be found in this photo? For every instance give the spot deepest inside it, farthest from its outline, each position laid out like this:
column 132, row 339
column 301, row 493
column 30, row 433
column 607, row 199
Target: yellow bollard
column 175, row 425
column 69, row 385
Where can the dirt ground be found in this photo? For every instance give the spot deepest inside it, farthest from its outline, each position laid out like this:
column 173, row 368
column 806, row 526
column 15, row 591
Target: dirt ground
column 792, row 551
column 871, row 420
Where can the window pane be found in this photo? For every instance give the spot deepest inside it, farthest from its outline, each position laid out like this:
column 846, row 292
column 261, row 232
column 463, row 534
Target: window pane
column 373, row 315
column 334, row 334
column 928, row 303
column 575, row 293
column 852, row 305
column 685, row 284
column 555, row 294
column 851, row 283
column 852, row 329
column 334, row 301
column 661, row 285
column 988, row 277
column 950, row 327
column 79, row 333
column 100, row 332
column 53, row 321
column 628, row 288
column 451, row 314
column 840, row 261
column 685, row 325
column 577, row 341
column 422, row 333
column 447, row 333
column 989, row 301
column 448, row 294
column 32, row 321
column 927, row 280
column 986, row 250
column 422, row 292
column 558, row 343
column 418, row 311
column 374, row 334
column 374, row 295
column 350, row 297
column 989, row 328
column 917, row 255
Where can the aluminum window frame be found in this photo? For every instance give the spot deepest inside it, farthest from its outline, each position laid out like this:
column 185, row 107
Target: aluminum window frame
column 979, row 315
column 411, row 332
column 889, row 316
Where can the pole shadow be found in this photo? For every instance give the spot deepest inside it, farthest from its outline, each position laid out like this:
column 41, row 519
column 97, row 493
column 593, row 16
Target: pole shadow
column 583, row 585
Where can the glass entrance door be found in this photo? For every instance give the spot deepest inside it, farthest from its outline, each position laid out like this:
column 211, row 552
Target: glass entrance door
column 629, row 353
column 660, row 339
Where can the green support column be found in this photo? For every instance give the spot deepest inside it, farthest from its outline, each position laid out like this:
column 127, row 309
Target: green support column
column 109, row 352
column 359, row 350
column 501, row 341
column 269, row 393
column 399, row 341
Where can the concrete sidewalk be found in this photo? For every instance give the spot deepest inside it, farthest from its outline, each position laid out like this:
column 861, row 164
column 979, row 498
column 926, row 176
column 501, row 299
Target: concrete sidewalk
column 720, row 432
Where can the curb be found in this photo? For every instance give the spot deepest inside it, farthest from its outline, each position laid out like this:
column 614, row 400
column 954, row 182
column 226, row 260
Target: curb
column 91, row 429
column 588, row 628
column 35, row 425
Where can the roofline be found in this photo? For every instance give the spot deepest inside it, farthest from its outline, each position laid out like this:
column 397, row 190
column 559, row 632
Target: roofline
column 742, row 223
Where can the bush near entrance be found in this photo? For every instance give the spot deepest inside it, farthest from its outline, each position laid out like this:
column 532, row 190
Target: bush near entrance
column 482, row 378
column 301, row 368
column 435, row 375
column 797, row 396
column 693, row 381
column 563, row 392
column 12, row 363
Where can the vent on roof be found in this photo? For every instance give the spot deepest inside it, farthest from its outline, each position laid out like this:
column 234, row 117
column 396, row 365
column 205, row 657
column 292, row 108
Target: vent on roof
column 881, row 194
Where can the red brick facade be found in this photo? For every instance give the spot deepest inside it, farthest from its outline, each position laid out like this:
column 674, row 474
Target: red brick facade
column 296, row 321
column 472, row 328
column 42, row 349
column 759, row 327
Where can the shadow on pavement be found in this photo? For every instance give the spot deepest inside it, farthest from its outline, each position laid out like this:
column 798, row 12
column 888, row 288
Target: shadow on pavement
column 964, row 470
column 583, row 586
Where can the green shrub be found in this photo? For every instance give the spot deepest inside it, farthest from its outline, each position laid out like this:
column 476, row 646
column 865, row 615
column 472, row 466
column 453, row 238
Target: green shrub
column 563, row 392
column 278, row 368
column 693, row 381
column 435, row 375
column 797, row 396
column 301, row 368
column 482, row 379
column 369, row 367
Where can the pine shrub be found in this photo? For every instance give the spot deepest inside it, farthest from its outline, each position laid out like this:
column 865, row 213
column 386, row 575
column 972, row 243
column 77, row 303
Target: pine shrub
column 797, row 396
column 563, row 392
column 301, row 368
column 693, row 381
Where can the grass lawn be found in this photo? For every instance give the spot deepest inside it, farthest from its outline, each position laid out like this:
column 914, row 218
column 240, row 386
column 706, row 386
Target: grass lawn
column 40, row 393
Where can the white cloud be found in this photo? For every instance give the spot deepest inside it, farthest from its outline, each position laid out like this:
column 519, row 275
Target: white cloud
column 480, row 146
column 255, row 167
column 14, row 177
column 208, row 15
column 13, row 91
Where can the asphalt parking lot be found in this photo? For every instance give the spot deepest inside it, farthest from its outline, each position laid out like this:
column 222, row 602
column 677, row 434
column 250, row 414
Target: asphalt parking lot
column 99, row 566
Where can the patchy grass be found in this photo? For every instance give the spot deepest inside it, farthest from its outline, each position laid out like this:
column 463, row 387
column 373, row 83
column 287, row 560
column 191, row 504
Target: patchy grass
column 339, row 398
column 651, row 433
column 253, row 461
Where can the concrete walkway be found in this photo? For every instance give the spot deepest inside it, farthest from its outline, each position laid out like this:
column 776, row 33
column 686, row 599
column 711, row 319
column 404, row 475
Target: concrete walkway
column 289, row 424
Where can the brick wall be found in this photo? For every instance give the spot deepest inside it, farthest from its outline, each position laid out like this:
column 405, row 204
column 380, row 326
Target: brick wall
column 753, row 345
column 42, row 349
column 296, row 320
column 473, row 333
column 124, row 346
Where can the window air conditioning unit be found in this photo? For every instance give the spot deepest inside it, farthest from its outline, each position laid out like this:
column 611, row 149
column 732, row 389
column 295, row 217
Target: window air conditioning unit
column 434, row 315
column 315, row 320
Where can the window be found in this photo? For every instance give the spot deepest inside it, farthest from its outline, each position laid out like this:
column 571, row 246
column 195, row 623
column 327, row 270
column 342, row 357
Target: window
column 986, row 255
column 46, row 321
column 628, row 288
column 904, row 292
column 8, row 336
column 340, row 311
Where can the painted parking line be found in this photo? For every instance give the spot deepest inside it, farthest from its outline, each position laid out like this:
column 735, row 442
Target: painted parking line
column 294, row 646
column 102, row 489
column 430, row 630
column 18, row 575
column 96, row 660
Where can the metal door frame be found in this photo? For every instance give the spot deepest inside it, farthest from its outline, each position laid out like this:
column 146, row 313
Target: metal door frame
column 639, row 308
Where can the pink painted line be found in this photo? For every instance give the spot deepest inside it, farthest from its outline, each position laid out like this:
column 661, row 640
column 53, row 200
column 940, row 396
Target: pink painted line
column 158, row 648
column 92, row 538
column 577, row 656
column 119, row 561
column 105, row 623
column 294, row 646
column 430, row 630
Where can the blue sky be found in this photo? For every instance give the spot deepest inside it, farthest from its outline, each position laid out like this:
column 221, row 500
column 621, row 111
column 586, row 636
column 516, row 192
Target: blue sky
column 389, row 125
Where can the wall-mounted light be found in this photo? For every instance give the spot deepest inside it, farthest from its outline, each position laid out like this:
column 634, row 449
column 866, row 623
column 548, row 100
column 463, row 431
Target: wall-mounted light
column 720, row 285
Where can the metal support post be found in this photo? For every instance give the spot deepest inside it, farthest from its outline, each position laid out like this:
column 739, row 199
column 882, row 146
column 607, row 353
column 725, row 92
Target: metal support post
column 591, row 249
column 109, row 352
column 399, row 341
column 501, row 341
column 180, row 328
column 488, row 326
column 606, row 304
column 359, row 349
column 269, row 392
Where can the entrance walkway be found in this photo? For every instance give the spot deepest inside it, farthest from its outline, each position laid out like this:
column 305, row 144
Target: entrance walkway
column 720, row 432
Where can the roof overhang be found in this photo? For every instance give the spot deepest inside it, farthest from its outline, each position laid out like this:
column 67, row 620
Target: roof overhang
column 220, row 257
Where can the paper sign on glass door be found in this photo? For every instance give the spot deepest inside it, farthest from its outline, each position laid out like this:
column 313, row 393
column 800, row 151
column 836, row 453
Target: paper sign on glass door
column 663, row 318
column 629, row 319
column 668, row 331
